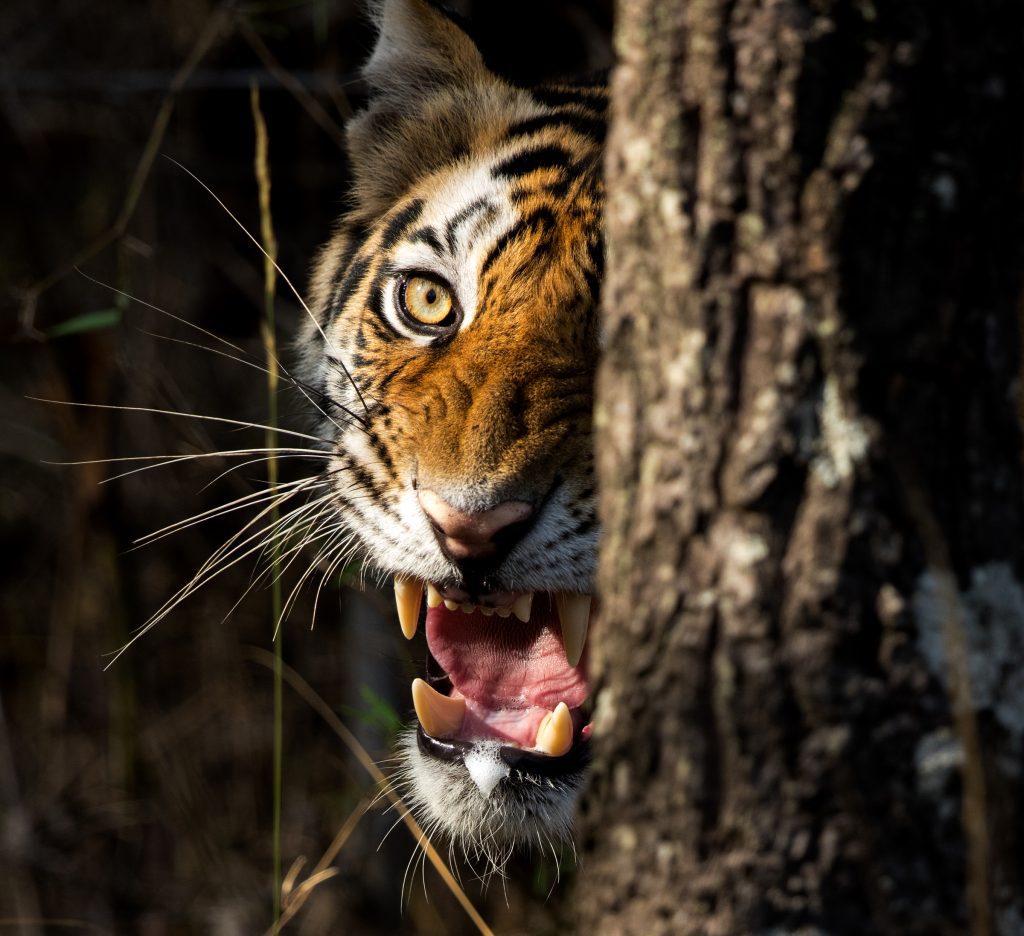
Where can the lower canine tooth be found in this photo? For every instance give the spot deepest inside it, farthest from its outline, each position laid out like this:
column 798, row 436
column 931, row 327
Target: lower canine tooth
column 438, row 714
column 408, row 597
column 554, row 737
column 521, row 606
column 574, row 613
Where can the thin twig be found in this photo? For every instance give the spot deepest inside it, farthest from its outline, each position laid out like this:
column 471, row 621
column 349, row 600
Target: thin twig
column 300, row 92
column 210, row 32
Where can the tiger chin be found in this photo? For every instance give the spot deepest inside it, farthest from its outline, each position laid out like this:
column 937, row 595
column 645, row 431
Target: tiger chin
column 452, row 356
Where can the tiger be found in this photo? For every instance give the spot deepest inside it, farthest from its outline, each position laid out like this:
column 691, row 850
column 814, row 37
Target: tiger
column 452, row 351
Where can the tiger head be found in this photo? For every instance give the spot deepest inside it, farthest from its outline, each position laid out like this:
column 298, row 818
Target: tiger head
column 454, row 348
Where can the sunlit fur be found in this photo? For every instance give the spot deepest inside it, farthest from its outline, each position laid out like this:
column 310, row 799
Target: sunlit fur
column 496, row 191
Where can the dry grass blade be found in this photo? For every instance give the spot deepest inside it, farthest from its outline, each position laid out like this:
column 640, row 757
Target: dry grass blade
column 973, row 811
column 268, row 332
column 294, row 898
column 294, row 86
column 310, row 696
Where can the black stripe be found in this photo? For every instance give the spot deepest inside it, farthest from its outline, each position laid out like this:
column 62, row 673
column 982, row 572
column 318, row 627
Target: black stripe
column 595, row 251
column 538, row 218
column 356, row 236
column 594, row 98
column 382, row 452
column 533, row 160
column 587, row 125
column 353, row 277
column 459, row 218
column 427, row 235
column 399, row 223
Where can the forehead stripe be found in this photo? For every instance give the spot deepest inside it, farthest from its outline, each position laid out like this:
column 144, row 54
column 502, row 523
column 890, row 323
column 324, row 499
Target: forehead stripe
column 533, row 160
column 538, row 219
column 398, row 225
column 349, row 284
column 585, row 124
column 459, row 218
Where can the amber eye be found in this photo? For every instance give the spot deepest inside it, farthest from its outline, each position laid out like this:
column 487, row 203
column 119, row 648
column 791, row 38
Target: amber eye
column 427, row 302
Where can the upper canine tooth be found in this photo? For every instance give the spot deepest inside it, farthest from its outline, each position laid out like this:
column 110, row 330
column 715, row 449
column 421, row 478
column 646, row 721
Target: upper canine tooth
column 574, row 613
column 438, row 714
column 521, row 606
column 554, row 737
column 433, row 596
column 408, row 597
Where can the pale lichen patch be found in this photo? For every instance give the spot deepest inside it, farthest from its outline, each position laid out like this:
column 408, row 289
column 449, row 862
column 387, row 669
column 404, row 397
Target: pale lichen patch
column 991, row 613
column 844, row 438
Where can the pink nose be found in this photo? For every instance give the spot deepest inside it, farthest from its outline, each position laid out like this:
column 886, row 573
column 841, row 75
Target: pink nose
column 471, row 535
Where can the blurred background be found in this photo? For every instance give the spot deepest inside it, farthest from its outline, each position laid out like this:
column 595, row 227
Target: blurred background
column 136, row 797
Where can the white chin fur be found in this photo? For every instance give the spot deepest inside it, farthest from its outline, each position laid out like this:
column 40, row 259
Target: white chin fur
column 517, row 813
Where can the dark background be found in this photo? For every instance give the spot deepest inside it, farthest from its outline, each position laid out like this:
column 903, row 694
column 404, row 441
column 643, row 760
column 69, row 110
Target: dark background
column 137, row 798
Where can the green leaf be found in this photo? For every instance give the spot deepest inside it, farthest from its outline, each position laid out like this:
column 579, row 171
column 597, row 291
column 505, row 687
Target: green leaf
column 375, row 712
column 86, row 322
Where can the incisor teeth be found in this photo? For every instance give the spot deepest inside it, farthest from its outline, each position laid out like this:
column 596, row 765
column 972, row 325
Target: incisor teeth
column 574, row 613
column 504, row 612
column 451, row 605
column 467, row 608
column 521, row 606
column 408, row 597
column 438, row 714
column 433, row 596
column 554, row 737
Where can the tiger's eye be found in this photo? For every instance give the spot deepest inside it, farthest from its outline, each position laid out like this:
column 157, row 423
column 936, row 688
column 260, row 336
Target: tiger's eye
column 427, row 301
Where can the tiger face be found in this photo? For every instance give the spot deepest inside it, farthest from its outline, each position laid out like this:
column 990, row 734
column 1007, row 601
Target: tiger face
column 454, row 352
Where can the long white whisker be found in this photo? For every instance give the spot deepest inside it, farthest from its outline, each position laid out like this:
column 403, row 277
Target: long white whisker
column 294, row 381
column 239, row 503
column 283, row 275
column 271, row 455
column 215, row 565
column 163, row 412
column 222, row 340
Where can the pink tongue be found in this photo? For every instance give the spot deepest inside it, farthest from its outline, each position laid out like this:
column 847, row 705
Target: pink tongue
column 510, row 673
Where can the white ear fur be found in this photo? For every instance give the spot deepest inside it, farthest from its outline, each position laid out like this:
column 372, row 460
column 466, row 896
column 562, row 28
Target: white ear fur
column 418, row 49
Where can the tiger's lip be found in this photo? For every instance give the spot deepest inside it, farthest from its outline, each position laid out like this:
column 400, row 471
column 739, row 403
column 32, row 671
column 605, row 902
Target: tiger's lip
column 454, row 750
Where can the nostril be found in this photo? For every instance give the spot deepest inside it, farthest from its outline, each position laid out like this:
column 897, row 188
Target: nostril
column 472, row 534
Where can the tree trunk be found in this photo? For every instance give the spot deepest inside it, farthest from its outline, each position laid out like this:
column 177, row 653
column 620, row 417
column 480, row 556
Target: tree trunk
column 810, row 707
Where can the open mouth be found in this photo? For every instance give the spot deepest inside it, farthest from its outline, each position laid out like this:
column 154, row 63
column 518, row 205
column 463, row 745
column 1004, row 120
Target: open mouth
column 505, row 685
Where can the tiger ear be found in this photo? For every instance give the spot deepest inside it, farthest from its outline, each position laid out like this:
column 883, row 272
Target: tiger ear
column 419, row 49
column 429, row 93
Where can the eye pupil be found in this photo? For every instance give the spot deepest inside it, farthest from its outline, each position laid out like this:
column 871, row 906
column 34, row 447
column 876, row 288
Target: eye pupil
column 424, row 301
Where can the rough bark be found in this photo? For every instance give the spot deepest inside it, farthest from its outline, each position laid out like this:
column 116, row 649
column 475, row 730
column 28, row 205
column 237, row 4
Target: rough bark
column 810, row 712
